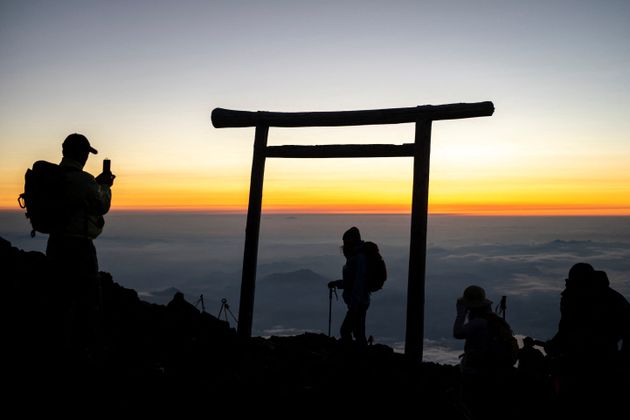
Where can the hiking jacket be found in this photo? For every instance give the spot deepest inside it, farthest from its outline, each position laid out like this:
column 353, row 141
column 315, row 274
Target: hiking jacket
column 475, row 330
column 87, row 201
column 355, row 290
column 592, row 322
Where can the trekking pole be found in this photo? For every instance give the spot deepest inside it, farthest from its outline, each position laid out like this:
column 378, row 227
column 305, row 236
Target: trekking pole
column 502, row 306
column 200, row 301
column 331, row 290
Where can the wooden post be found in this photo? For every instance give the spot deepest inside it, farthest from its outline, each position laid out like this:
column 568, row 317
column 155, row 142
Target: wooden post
column 231, row 118
column 252, row 231
column 341, row 151
column 414, row 332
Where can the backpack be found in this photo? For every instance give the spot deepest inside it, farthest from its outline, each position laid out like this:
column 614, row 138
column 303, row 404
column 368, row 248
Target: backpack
column 376, row 270
column 44, row 197
column 502, row 345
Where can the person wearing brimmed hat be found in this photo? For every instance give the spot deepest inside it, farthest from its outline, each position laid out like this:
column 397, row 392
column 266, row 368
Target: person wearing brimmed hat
column 87, row 200
column 355, row 291
column 470, row 325
column 475, row 297
column 481, row 375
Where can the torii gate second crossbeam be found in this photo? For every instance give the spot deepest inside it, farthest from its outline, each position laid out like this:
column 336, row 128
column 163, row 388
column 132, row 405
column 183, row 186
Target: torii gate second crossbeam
column 420, row 150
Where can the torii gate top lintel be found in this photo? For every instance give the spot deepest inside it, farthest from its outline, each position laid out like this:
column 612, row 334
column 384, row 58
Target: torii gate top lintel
column 223, row 118
column 420, row 150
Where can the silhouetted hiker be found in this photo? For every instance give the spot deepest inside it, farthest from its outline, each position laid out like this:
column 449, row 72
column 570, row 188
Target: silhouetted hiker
column 183, row 310
column 181, row 325
column 87, row 200
column 531, row 361
column 70, row 247
column 587, row 360
column 482, row 375
column 535, row 388
column 355, row 291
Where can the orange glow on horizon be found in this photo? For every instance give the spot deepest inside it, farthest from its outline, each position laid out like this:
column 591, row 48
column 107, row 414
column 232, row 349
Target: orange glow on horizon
column 364, row 192
column 454, row 210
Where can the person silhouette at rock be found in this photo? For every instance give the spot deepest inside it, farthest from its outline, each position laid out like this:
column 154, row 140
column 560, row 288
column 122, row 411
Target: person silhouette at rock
column 87, row 199
column 591, row 345
column 356, row 294
column 534, row 383
column 70, row 246
column 531, row 361
column 481, row 375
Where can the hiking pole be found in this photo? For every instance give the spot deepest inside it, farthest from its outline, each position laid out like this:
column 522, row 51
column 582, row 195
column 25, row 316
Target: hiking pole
column 502, row 306
column 200, row 300
column 331, row 290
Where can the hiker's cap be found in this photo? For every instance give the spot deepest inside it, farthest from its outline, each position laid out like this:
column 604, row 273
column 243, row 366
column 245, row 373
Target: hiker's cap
column 475, row 297
column 352, row 234
column 78, row 142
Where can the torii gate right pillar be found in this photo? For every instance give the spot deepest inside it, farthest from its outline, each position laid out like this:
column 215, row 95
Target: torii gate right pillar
column 418, row 242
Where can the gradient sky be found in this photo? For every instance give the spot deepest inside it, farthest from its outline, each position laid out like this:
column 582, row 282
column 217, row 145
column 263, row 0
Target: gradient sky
column 140, row 78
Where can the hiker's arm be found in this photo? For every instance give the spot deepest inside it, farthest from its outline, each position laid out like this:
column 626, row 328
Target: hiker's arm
column 458, row 327
column 335, row 283
column 99, row 197
column 463, row 329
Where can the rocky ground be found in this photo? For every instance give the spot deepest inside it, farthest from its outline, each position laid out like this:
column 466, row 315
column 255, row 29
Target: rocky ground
column 126, row 355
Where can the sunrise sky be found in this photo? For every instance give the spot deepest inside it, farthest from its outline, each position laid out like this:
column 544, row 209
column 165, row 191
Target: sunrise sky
column 140, row 79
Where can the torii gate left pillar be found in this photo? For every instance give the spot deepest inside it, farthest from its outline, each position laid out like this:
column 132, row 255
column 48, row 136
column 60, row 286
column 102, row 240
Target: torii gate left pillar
column 420, row 150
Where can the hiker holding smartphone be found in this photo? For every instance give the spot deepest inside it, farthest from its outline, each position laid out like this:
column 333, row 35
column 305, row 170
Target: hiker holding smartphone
column 84, row 200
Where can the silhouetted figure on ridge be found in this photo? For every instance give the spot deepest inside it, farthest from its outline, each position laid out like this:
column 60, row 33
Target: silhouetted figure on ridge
column 534, row 383
column 70, row 245
column 591, row 348
column 531, row 361
column 87, row 199
column 485, row 380
column 356, row 294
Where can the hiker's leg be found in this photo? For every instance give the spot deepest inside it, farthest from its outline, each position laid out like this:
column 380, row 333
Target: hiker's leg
column 359, row 326
column 346, row 327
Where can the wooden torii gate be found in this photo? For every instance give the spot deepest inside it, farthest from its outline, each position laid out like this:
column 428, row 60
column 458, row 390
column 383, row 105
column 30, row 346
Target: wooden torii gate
column 420, row 150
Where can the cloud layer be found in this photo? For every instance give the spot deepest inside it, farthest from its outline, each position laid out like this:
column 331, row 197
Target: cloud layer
column 202, row 255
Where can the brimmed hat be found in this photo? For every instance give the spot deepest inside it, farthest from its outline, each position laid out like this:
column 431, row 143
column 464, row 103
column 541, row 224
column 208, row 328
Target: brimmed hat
column 78, row 142
column 475, row 297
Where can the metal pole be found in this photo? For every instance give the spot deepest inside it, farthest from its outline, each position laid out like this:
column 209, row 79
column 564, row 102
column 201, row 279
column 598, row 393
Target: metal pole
column 330, row 292
column 252, row 232
column 414, row 333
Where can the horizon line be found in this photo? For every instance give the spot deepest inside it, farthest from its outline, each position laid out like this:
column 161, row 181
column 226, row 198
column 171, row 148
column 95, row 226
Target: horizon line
column 243, row 212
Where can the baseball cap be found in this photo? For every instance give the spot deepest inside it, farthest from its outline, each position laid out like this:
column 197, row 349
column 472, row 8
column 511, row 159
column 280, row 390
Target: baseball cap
column 77, row 141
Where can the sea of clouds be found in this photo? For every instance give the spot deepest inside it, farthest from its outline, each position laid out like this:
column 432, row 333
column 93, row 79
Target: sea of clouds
column 525, row 259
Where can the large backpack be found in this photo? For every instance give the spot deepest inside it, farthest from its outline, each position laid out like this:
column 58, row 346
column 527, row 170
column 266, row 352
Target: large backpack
column 376, row 269
column 502, row 345
column 44, row 197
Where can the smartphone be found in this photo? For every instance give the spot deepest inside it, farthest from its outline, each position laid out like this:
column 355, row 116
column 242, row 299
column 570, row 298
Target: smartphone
column 107, row 166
